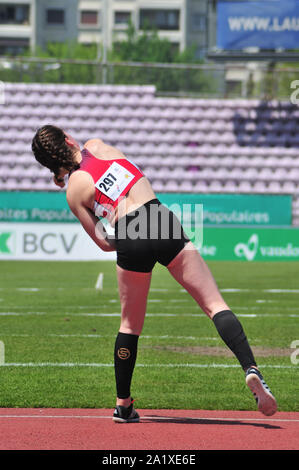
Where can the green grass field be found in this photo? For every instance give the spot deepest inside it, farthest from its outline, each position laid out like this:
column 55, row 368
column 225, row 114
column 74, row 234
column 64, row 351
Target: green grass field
column 58, row 332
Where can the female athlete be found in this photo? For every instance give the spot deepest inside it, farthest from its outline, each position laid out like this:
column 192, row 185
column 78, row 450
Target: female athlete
column 103, row 183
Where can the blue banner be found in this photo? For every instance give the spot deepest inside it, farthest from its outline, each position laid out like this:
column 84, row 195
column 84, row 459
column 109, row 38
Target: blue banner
column 269, row 24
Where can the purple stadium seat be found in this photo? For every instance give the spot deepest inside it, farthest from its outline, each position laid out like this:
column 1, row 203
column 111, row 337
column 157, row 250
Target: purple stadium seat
column 201, row 186
column 274, row 187
column 289, row 187
column 259, row 187
column 171, row 186
column 158, row 186
column 10, row 184
column 245, row 187
column 230, row 186
column 215, row 186
column 293, row 174
column 186, row 186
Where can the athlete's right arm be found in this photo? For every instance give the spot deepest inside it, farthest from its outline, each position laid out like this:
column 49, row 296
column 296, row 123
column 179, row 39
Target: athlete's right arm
column 80, row 198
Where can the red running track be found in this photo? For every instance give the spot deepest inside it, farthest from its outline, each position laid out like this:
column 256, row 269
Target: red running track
column 93, row 429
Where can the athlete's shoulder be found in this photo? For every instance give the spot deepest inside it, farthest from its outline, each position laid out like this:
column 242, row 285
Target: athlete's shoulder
column 80, row 190
column 99, row 149
column 94, row 145
column 78, row 180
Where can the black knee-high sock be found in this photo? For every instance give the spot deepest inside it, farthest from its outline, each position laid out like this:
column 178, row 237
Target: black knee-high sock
column 125, row 353
column 232, row 333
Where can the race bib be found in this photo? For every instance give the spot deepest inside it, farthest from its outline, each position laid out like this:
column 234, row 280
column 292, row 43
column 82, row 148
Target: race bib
column 114, row 181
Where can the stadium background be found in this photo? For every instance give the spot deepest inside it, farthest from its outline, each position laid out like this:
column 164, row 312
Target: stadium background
column 219, row 131
column 211, row 132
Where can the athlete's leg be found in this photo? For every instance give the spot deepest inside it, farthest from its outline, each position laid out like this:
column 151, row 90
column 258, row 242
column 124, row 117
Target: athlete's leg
column 192, row 272
column 133, row 291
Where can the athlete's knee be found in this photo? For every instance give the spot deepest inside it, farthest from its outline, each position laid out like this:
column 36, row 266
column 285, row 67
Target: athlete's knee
column 213, row 308
column 131, row 330
column 131, row 326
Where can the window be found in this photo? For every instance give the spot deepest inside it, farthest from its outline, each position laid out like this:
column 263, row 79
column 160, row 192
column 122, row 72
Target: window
column 199, row 22
column 160, row 19
column 14, row 14
column 89, row 18
column 55, row 16
column 14, row 46
column 122, row 17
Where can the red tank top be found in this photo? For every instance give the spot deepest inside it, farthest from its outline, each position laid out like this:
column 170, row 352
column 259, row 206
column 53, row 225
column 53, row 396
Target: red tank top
column 112, row 179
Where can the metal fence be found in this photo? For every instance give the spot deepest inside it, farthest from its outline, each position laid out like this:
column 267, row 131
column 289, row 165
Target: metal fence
column 250, row 80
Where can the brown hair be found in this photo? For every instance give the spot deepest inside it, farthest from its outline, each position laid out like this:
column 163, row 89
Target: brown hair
column 51, row 150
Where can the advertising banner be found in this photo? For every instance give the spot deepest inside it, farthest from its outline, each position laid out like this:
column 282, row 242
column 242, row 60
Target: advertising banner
column 218, row 209
column 49, row 241
column 40, row 226
column 250, row 244
column 267, row 24
column 35, row 206
column 232, row 209
column 70, row 242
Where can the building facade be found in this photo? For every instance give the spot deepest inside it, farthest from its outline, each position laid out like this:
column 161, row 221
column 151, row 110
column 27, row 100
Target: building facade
column 25, row 24
column 30, row 23
column 16, row 26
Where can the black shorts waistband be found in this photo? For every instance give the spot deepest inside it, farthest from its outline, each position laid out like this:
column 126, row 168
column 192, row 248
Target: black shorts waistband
column 133, row 213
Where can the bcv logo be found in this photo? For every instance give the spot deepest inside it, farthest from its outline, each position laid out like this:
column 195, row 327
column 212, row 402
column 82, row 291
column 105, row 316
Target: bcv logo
column 7, row 242
column 249, row 249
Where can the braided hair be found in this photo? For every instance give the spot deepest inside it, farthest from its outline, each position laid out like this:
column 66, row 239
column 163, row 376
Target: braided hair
column 51, row 150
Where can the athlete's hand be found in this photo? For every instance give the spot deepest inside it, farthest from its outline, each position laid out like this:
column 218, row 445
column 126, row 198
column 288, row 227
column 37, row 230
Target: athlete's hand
column 59, row 181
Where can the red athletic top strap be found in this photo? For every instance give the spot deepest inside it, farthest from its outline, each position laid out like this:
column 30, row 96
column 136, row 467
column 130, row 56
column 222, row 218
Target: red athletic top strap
column 112, row 179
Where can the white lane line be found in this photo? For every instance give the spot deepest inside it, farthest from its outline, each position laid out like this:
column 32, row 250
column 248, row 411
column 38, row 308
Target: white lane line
column 180, row 365
column 288, row 420
column 94, row 335
column 117, row 314
column 17, row 314
column 282, row 291
column 227, row 290
column 152, row 418
column 113, row 301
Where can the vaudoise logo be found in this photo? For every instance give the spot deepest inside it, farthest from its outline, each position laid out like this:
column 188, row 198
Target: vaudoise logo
column 249, row 249
column 253, row 248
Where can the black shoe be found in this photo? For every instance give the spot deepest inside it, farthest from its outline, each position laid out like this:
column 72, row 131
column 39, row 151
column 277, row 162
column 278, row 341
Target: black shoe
column 125, row 415
column 261, row 392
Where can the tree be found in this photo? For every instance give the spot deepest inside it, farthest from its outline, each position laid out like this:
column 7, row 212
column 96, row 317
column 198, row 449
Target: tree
column 145, row 47
column 148, row 47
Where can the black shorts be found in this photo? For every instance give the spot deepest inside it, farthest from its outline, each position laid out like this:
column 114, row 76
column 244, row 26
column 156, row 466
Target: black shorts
column 150, row 234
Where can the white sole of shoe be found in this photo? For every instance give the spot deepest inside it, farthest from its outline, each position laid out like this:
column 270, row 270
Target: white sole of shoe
column 265, row 400
column 121, row 420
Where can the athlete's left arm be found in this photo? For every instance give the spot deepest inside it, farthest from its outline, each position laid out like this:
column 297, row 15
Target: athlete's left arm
column 80, row 197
